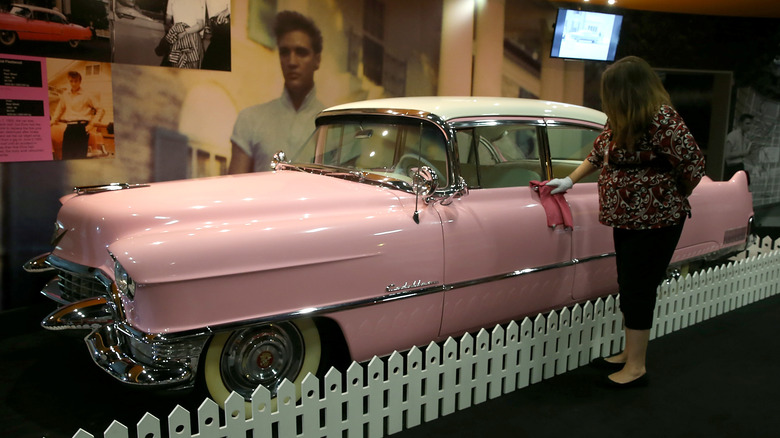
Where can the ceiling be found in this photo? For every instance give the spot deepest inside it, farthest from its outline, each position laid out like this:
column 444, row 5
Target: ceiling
column 735, row 8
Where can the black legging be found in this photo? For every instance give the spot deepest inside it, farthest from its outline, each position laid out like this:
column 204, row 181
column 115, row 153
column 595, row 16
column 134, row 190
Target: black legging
column 642, row 257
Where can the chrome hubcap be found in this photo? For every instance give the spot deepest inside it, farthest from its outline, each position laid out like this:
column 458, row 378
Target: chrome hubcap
column 263, row 355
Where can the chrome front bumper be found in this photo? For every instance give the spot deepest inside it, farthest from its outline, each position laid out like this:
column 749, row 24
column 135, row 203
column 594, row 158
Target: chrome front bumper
column 126, row 354
column 129, row 355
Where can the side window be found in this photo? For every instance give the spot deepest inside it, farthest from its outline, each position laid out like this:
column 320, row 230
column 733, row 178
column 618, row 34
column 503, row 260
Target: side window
column 54, row 18
column 505, row 155
column 569, row 145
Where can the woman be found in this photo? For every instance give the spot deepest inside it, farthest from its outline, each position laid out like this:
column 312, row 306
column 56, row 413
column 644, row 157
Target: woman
column 649, row 164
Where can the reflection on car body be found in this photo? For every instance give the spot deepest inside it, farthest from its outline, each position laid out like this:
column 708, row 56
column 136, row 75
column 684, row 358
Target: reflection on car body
column 400, row 222
column 33, row 23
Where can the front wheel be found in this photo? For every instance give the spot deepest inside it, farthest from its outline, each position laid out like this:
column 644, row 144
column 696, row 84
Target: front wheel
column 73, row 43
column 265, row 355
column 8, row 38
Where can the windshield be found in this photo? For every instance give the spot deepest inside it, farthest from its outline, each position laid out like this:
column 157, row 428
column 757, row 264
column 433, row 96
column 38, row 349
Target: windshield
column 390, row 146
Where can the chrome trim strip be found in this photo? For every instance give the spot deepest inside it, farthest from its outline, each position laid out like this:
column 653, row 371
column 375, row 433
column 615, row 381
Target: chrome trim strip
column 412, row 293
column 526, row 271
column 564, row 121
column 477, row 122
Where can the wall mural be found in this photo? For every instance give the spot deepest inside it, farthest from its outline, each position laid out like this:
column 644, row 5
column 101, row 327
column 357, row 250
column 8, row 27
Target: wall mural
column 360, row 60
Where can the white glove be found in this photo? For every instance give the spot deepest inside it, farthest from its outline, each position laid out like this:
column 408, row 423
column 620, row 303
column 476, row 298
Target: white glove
column 560, row 184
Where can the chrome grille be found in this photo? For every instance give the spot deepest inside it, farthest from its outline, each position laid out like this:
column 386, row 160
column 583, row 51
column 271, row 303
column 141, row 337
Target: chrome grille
column 158, row 350
column 182, row 351
column 76, row 287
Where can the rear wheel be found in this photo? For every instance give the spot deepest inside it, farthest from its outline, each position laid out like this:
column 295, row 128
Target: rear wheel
column 265, row 355
column 73, row 43
column 8, row 38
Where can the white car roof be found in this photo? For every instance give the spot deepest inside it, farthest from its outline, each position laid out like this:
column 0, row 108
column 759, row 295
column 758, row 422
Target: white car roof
column 40, row 9
column 453, row 107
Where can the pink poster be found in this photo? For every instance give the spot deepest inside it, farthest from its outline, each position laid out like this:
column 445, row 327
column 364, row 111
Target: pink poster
column 25, row 134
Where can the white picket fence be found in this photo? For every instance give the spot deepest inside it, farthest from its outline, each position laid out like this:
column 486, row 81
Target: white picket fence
column 392, row 394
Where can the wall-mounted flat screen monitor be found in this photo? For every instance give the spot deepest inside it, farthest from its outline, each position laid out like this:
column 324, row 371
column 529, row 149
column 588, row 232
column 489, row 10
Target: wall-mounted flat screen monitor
column 586, row 35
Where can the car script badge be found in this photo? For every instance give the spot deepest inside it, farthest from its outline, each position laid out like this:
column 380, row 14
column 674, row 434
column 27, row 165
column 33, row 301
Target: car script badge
column 406, row 286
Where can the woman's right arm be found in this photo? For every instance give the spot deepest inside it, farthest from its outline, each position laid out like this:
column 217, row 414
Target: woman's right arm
column 563, row 184
column 584, row 169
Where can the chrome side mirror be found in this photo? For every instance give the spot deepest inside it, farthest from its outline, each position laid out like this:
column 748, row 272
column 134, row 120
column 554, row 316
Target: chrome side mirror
column 425, row 182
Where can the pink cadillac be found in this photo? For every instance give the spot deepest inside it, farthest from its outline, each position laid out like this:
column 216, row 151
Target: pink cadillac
column 33, row 23
column 402, row 221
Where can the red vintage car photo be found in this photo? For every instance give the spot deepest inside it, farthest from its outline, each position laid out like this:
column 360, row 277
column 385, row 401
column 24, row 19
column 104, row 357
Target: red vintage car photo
column 33, row 23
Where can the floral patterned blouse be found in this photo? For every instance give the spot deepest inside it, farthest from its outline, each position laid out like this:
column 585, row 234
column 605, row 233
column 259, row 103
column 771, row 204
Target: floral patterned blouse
column 642, row 189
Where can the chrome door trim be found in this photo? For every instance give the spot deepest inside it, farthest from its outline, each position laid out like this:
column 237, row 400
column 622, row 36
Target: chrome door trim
column 386, row 298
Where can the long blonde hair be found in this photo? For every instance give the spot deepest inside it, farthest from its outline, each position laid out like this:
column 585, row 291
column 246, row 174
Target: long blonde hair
column 631, row 94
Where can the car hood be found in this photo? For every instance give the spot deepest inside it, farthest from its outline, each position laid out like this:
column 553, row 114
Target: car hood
column 172, row 229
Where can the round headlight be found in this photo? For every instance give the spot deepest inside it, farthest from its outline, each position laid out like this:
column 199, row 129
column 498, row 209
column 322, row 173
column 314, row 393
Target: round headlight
column 124, row 283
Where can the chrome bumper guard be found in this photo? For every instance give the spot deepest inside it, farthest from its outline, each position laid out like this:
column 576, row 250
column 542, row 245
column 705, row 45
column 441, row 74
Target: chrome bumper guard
column 134, row 359
column 85, row 314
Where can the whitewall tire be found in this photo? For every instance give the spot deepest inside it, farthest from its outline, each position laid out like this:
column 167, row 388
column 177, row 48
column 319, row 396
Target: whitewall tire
column 264, row 355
